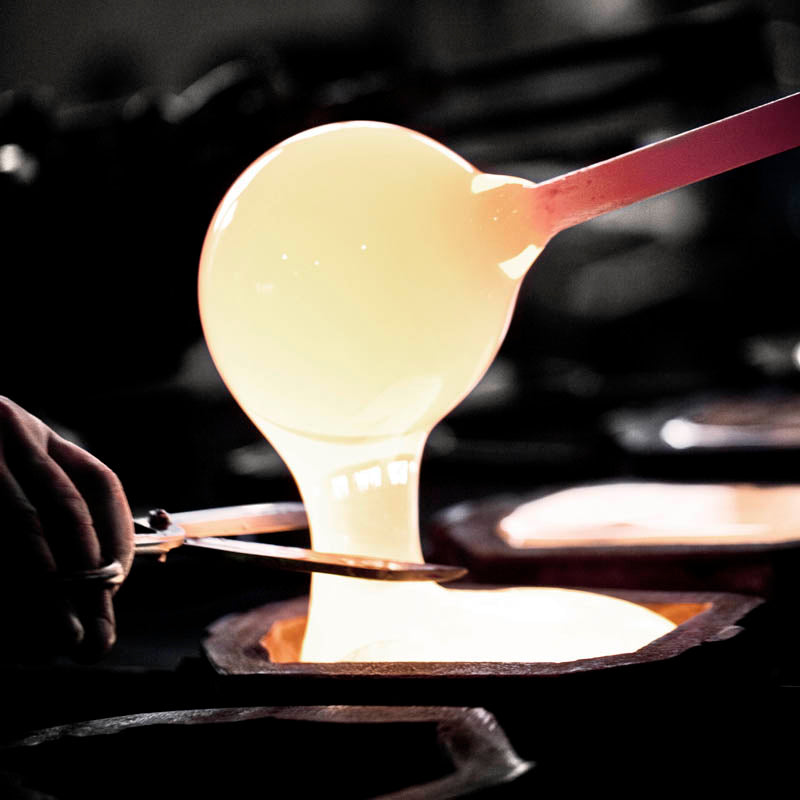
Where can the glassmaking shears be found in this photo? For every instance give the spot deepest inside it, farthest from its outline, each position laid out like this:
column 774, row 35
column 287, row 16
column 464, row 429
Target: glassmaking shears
column 216, row 529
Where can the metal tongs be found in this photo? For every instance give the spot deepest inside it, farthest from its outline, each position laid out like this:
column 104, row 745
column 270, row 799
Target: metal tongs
column 160, row 532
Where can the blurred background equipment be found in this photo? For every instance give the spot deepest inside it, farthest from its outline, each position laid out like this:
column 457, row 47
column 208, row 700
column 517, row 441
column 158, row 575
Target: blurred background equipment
column 121, row 126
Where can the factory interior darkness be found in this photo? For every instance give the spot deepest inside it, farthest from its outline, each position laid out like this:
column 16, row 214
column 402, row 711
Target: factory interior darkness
column 121, row 127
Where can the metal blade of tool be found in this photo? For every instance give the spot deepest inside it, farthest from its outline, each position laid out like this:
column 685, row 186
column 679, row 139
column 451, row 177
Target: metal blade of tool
column 162, row 532
column 299, row 559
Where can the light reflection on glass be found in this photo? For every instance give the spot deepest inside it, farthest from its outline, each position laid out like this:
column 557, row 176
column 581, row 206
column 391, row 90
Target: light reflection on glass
column 340, row 487
column 398, row 472
column 369, row 478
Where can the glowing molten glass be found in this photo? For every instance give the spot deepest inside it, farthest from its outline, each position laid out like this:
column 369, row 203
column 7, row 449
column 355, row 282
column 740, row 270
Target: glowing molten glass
column 355, row 283
column 655, row 514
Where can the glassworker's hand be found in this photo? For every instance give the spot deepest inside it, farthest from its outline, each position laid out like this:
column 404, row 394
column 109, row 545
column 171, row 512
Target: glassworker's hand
column 62, row 513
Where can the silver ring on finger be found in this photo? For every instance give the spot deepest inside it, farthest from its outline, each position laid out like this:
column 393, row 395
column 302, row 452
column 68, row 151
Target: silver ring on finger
column 111, row 574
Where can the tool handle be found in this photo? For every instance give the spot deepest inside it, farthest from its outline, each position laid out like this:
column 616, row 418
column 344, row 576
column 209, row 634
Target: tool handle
column 669, row 164
column 161, row 532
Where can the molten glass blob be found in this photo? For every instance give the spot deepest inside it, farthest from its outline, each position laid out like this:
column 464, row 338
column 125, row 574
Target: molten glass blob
column 355, row 284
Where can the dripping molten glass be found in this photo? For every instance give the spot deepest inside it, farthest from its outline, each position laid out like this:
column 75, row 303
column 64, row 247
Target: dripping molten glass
column 356, row 282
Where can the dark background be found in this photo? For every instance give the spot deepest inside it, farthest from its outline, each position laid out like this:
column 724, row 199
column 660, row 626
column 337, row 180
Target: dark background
column 124, row 123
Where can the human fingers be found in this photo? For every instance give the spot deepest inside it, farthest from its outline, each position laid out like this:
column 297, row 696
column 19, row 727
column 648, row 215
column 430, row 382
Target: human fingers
column 63, row 521
column 39, row 619
column 104, row 495
column 113, row 526
column 66, row 526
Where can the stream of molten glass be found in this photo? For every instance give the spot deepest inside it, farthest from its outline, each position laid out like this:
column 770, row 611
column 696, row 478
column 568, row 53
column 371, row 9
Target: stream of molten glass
column 356, row 282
